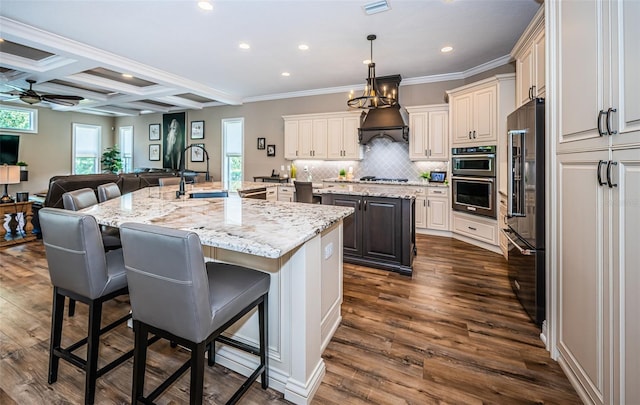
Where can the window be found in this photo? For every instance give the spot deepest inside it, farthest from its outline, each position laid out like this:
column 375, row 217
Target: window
column 126, row 149
column 232, row 162
column 18, row 119
column 86, row 149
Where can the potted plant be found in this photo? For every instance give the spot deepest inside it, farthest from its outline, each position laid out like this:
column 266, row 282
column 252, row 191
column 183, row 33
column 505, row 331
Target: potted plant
column 24, row 172
column 342, row 174
column 111, row 161
column 426, row 176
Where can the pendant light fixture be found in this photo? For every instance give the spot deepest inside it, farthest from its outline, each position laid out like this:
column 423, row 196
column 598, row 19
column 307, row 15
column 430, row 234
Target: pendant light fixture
column 373, row 97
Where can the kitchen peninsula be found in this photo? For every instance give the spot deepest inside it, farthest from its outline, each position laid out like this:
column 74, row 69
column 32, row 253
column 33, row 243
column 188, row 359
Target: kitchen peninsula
column 298, row 247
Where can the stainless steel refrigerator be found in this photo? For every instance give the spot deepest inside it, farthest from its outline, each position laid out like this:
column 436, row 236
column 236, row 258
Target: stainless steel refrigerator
column 526, row 207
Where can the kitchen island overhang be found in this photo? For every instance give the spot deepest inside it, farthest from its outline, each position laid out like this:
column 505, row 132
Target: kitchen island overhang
column 300, row 248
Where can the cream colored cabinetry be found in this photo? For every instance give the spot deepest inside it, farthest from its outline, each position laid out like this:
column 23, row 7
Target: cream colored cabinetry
column 421, row 207
column 597, row 60
column 272, row 193
column 286, row 193
column 478, row 111
column 321, row 136
column 305, row 139
column 595, row 120
column 438, row 208
column 529, row 53
column 343, row 138
column 429, row 132
column 475, row 227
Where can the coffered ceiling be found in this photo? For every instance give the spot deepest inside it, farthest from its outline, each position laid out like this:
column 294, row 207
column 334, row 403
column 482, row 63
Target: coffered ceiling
column 178, row 56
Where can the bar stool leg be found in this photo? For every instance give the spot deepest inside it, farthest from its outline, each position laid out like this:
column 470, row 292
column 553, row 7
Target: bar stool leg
column 139, row 360
column 93, row 346
column 263, row 320
column 57, row 315
column 197, row 373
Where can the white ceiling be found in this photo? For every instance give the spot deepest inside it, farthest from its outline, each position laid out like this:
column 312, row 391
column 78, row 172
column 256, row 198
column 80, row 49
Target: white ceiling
column 192, row 59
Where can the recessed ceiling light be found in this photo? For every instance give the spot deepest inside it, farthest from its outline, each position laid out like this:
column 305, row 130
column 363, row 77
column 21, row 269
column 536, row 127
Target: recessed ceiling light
column 446, row 49
column 244, row 45
column 303, row 47
column 286, row 74
column 127, row 75
column 205, row 5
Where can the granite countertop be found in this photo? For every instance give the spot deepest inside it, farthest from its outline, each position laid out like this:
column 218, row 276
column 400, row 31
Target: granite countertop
column 367, row 190
column 258, row 227
column 420, row 183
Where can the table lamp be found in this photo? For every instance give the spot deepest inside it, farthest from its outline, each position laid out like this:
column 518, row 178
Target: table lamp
column 8, row 175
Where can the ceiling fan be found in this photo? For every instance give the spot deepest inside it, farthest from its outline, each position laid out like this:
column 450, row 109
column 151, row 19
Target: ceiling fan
column 31, row 97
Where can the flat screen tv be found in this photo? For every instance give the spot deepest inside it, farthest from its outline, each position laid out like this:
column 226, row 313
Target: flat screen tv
column 9, row 149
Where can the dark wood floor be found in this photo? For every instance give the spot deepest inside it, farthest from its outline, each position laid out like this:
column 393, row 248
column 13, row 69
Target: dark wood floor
column 453, row 333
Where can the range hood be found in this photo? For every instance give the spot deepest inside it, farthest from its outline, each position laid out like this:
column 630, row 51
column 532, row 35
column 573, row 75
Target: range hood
column 391, row 122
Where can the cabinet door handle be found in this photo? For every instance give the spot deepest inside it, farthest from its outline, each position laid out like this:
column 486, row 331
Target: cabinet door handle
column 359, row 206
column 426, row 152
column 609, row 164
column 472, row 228
column 469, row 134
column 530, row 92
column 600, row 114
column 474, row 134
column 365, row 205
column 600, row 182
column 608, row 121
column 429, row 152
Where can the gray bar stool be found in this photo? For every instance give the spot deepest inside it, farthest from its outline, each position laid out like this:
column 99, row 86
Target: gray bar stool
column 108, row 191
column 81, row 270
column 176, row 295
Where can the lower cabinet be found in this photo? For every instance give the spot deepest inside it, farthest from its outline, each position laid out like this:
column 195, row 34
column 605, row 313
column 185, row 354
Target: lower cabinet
column 380, row 233
column 478, row 228
column 438, row 209
column 286, row 193
column 272, row 193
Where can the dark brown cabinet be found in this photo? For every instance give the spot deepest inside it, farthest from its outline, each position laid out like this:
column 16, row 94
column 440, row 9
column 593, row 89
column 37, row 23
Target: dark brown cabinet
column 380, row 233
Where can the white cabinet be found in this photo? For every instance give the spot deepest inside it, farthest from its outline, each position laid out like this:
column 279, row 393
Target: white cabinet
column 322, row 136
column 429, row 132
column 272, row 193
column 594, row 118
column 596, row 61
column 343, row 138
column 529, row 53
column 286, row 193
column 626, row 276
column 421, row 208
column 475, row 227
column 305, row 139
column 438, row 208
column 478, row 111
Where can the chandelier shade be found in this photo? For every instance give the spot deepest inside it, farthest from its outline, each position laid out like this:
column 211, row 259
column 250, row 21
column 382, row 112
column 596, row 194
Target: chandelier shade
column 373, row 96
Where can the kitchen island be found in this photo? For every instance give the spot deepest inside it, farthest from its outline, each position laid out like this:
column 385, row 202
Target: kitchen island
column 382, row 232
column 298, row 247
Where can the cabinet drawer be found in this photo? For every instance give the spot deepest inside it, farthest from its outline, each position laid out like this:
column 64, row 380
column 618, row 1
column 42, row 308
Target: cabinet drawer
column 475, row 228
column 286, row 190
column 437, row 192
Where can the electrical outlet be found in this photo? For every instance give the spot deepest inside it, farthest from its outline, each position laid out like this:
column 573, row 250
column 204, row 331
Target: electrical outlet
column 328, row 251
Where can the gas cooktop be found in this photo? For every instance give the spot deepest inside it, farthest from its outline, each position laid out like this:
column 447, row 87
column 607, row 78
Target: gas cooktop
column 374, row 178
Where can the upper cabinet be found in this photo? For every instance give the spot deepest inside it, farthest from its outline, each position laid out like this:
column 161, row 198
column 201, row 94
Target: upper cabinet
column 530, row 61
column 429, row 132
column 322, row 136
column 597, row 60
column 478, row 111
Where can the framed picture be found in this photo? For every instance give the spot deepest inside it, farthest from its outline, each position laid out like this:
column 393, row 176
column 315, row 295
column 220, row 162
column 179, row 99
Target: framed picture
column 261, row 143
column 197, row 154
column 174, row 139
column 197, row 129
column 154, row 132
column 154, row 151
column 271, row 150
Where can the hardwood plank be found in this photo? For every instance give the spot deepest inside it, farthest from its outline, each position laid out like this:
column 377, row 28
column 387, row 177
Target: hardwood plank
column 453, row 333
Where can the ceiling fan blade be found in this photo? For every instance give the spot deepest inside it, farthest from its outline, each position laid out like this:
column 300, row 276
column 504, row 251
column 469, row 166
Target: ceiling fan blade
column 62, row 97
column 59, row 101
column 21, row 90
column 13, row 93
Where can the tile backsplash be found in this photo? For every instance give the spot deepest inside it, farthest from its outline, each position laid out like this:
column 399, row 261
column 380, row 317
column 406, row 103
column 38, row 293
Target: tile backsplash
column 381, row 158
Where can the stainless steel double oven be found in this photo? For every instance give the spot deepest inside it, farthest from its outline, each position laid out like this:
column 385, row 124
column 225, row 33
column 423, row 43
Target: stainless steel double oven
column 473, row 180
